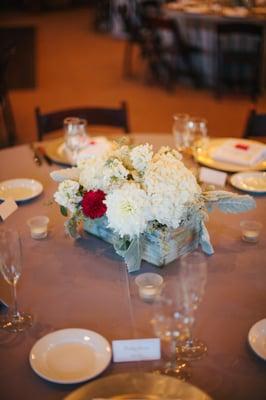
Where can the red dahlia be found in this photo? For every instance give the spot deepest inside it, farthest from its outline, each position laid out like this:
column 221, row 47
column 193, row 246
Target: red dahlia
column 92, row 204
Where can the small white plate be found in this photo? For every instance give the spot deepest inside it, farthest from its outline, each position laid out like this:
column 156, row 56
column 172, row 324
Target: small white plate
column 257, row 338
column 70, row 355
column 254, row 182
column 20, row 189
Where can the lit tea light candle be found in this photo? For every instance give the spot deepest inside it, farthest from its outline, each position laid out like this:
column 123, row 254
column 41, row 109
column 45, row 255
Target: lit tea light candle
column 250, row 231
column 250, row 236
column 39, row 232
column 38, row 227
column 149, row 285
column 148, row 292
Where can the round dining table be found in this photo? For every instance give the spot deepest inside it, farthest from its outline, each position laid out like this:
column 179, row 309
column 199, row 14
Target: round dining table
column 83, row 283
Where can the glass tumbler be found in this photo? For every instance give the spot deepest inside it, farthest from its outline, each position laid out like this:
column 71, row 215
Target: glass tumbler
column 198, row 135
column 181, row 132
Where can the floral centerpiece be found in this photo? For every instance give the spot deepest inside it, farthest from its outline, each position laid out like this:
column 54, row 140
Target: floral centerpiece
column 148, row 205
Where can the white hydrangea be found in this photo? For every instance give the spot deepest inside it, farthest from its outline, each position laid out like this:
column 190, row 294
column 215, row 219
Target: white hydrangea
column 127, row 210
column 170, row 187
column 141, row 156
column 123, row 154
column 67, row 194
column 114, row 172
column 91, row 173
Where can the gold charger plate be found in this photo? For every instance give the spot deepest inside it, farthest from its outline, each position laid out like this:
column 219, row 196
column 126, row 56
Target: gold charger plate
column 207, row 160
column 138, row 386
column 52, row 151
column 54, row 148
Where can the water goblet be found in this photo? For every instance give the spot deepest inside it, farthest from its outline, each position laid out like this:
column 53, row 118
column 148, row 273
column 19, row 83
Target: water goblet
column 192, row 278
column 10, row 267
column 76, row 137
column 168, row 326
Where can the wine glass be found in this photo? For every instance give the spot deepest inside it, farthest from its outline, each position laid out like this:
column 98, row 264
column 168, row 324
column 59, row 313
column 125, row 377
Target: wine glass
column 181, row 132
column 192, row 278
column 10, row 267
column 76, row 137
column 168, row 325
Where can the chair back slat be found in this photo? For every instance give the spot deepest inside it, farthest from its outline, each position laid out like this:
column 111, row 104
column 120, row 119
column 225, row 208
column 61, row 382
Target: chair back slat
column 98, row 116
column 255, row 125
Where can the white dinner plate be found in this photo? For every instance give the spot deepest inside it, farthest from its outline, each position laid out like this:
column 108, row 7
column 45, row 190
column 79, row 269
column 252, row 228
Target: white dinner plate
column 20, row 189
column 205, row 158
column 70, row 355
column 257, row 338
column 253, row 182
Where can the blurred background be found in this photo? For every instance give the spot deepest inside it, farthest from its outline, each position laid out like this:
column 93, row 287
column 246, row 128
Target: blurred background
column 69, row 53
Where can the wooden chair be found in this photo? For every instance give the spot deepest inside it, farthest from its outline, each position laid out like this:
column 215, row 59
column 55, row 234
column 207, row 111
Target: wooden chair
column 239, row 58
column 98, row 116
column 255, row 125
column 8, row 131
column 170, row 55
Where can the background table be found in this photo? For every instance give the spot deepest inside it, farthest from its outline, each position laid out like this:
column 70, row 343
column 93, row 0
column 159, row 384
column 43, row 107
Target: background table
column 200, row 30
column 84, row 284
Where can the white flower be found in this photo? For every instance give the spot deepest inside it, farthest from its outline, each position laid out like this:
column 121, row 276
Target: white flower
column 67, row 194
column 141, row 156
column 114, row 172
column 91, row 173
column 123, row 154
column 127, row 210
column 170, row 187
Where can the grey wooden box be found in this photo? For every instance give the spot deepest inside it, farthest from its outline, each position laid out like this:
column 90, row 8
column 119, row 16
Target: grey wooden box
column 160, row 247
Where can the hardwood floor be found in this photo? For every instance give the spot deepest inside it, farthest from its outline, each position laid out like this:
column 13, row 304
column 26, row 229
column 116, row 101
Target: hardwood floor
column 77, row 66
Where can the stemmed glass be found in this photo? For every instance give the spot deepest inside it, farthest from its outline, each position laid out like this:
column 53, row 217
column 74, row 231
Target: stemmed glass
column 168, row 325
column 76, row 137
column 192, row 278
column 10, row 267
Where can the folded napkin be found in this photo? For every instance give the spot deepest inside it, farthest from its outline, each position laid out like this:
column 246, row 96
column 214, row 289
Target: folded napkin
column 239, row 152
column 97, row 146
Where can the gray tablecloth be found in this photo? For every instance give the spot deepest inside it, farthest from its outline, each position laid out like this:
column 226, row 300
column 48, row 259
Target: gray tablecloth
column 84, row 284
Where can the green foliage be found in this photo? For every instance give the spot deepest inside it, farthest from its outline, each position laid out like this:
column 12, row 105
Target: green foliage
column 63, row 211
column 71, row 227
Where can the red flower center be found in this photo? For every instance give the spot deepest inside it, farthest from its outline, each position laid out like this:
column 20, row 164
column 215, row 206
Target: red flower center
column 92, row 204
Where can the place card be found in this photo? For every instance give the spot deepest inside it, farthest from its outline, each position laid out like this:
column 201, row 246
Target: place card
column 136, row 350
column 212, row 176
column 7, row 208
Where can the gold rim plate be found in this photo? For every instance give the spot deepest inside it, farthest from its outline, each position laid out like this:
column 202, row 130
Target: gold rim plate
column 52, row 150
column 138, row 386
column 206, row 159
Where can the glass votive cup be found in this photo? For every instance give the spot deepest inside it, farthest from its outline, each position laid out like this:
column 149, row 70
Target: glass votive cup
column 250, row 230
column 149, row 285
column 38, row 226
